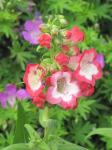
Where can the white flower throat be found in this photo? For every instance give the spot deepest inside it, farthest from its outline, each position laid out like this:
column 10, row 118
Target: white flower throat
column 61, row 85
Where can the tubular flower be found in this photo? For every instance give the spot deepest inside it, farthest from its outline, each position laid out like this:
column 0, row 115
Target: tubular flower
column 45, row 40
column 39, row 100
column 86, row 89
column 62, row 59
column 33, row 79
column 89, row 69
column 63, row 91
column 65, row 48
column 75, row 34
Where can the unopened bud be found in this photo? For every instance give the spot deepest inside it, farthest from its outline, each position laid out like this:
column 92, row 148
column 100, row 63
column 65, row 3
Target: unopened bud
column 63, row 22
column 57, row 41
column 44, row 27
column 60, row 16
column 63, row 33
column 54, row 30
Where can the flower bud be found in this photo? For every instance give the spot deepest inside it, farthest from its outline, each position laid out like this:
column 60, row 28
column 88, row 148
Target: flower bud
column 60, row 16
column 44, row 27
column 57, row 41
column 63, row 22
column 54, row 30
column 63, row 33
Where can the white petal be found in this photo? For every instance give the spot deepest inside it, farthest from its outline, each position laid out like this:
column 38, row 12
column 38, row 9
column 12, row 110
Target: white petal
column 88, row 70
column 70, row 90
column 34, row 80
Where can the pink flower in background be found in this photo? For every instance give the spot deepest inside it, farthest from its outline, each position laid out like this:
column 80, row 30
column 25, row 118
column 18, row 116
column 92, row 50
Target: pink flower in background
column 89, row 69
column 63, row 91
column 31, row 31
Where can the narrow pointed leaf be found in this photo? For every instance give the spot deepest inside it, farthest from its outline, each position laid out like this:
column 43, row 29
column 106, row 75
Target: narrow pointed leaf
column 20, row 133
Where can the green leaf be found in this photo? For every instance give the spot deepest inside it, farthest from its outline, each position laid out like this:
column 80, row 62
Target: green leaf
column 17, row 147
column 84, row 107
column 32, row 133
column 106, row 132
column 43, row 117
column 20, row 132
column 80, row 130
column 65, row 145
column 6, row 15
column 51, row 129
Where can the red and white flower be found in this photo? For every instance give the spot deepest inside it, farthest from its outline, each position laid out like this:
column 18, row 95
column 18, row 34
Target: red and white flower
column 63, row 91
column 89, row 69
column 33, row 79
column 75, row 34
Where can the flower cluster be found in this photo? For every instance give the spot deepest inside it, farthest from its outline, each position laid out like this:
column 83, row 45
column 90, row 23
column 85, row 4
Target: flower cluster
column 10, row 94
column 73, row 74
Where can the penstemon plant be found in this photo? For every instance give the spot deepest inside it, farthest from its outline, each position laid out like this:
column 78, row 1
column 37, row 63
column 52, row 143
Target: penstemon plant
column 65, row 73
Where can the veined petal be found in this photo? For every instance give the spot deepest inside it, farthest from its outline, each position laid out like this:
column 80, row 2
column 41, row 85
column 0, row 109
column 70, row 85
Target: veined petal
column 89, row 70
column 32, row 78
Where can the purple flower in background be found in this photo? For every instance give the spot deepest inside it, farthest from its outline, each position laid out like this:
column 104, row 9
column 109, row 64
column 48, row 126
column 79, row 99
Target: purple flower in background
column 10, row 94
column 100, row 60
column 32, row 31
column 31, row 4
column 22, row 94
column 3, row 99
